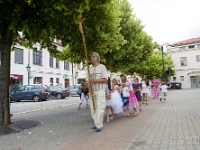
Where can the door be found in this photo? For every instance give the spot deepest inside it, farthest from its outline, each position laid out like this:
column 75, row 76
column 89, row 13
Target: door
column 195, row 81
column 18, row 94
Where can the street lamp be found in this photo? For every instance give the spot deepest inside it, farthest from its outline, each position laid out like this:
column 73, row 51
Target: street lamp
column 163, row 62
column 28, row 70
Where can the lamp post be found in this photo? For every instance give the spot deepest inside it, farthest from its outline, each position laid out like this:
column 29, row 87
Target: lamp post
column 163, row 61
column 28, row 70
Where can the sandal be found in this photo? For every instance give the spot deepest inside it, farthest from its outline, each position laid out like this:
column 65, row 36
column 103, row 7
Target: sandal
column 135, row 114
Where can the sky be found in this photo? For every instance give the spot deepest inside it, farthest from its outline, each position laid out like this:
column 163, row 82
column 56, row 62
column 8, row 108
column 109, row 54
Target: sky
column 169, row 21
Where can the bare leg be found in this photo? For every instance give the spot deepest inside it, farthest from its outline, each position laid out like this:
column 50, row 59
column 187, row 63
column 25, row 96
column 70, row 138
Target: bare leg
column 127, row 112
column 135, row 112
column 112, row 114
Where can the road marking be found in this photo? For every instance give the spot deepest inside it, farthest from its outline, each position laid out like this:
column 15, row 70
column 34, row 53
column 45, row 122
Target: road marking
column 40, row 109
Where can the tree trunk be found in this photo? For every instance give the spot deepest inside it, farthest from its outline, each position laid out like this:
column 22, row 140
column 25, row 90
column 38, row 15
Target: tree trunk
column 5, row 50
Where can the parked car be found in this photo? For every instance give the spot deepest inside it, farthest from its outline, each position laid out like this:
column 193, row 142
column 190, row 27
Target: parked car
column 58, row 92
column 35, row 92
column 73, row 89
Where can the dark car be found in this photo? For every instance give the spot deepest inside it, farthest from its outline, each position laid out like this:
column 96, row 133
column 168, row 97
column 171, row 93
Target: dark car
column 73, row 89
column 35, row 92
column 58, row 92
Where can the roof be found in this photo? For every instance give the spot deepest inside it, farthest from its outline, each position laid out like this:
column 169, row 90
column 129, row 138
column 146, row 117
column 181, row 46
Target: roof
column 186, row 42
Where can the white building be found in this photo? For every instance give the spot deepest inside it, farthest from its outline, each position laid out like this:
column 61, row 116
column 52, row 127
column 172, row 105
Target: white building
column 44, row 68
column 186, row 57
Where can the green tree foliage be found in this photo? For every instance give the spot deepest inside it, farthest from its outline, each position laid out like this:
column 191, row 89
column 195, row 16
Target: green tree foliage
column 138, row 46
column 152, row 66
column 41, row 21
column 102, row 33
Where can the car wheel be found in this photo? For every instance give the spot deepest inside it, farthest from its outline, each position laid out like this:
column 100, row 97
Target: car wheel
column 36, row 98
column 59, row 96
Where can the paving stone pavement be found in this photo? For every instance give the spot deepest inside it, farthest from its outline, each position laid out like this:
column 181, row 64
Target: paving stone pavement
column 167, row 125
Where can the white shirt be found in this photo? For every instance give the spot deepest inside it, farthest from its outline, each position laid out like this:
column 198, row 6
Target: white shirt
column 98, row 72
column 163, row 88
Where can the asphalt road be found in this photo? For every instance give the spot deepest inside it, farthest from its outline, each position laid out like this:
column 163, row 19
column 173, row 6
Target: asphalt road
column 27, row 105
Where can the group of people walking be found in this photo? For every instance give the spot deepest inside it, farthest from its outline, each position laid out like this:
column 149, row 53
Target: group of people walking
column 109, row 97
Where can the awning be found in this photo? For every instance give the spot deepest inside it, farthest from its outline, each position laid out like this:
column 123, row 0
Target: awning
column 16, row 76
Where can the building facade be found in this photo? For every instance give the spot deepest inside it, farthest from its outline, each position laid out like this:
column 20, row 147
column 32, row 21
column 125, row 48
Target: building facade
column 45, row 69
column 186, row 57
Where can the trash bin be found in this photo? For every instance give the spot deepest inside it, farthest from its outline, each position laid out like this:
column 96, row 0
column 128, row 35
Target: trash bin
column 177, row 85
column 172, row 85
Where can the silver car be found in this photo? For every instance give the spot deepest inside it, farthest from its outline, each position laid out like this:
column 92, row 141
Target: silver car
column 73, row 89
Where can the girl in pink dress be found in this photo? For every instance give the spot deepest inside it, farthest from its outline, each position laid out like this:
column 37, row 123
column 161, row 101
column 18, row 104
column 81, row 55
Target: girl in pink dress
column 155, row 88
column 132, row 100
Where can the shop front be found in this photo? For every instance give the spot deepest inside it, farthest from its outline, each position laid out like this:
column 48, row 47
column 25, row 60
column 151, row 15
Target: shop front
column 16, row 79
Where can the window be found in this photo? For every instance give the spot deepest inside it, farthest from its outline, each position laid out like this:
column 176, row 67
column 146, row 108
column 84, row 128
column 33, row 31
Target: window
column 51, row 81
column 182, row 78
column 57, row 81
column 57, row 63
column 38, row 80
column 19, row 56
column 191, row 46
column 79, row 66
column 183, row 61
column 66, row 65
column 198, row 58
column 182, row 48
column 51, row 62
column 198, row 46
column 174, row 78
column 37, row 58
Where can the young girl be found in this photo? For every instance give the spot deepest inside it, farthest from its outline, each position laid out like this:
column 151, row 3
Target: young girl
column 136, row 89
column 109, row 101
column 116, row 99
column 132, row 100
column 145, row 90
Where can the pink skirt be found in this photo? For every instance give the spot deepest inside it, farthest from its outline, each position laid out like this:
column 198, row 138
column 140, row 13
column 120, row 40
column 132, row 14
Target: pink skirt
column 156, row 91
column 132, row 100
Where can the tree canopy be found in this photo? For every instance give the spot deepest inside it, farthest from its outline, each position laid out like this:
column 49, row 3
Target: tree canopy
column 43, row 21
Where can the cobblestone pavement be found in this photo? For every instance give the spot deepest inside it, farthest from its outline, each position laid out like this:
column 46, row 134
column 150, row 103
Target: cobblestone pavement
column 166, row 125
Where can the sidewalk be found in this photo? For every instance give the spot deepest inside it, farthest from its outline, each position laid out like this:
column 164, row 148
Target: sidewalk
column 167, row 125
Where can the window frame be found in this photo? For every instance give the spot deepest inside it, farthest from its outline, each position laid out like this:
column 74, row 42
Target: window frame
column 37, row 55
column 57, row 63
column 182, row 62
column 15, row 61
column 66, row 65
column 51, row 61
column 197, row 58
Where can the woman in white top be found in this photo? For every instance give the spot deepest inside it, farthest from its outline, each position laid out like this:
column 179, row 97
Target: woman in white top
column 145, row 90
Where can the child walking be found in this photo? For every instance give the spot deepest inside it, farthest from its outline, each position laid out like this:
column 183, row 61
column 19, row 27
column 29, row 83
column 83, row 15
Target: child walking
column 132, row 100
column 109, row 102
column 163, row 88
column 136, row 89
column 115, row 96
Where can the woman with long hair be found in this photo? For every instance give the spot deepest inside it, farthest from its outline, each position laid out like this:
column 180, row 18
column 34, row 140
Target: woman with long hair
column 145, row 90
column 109, row 101
column 132, row 100
column 155, row 88
column 137, row 89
